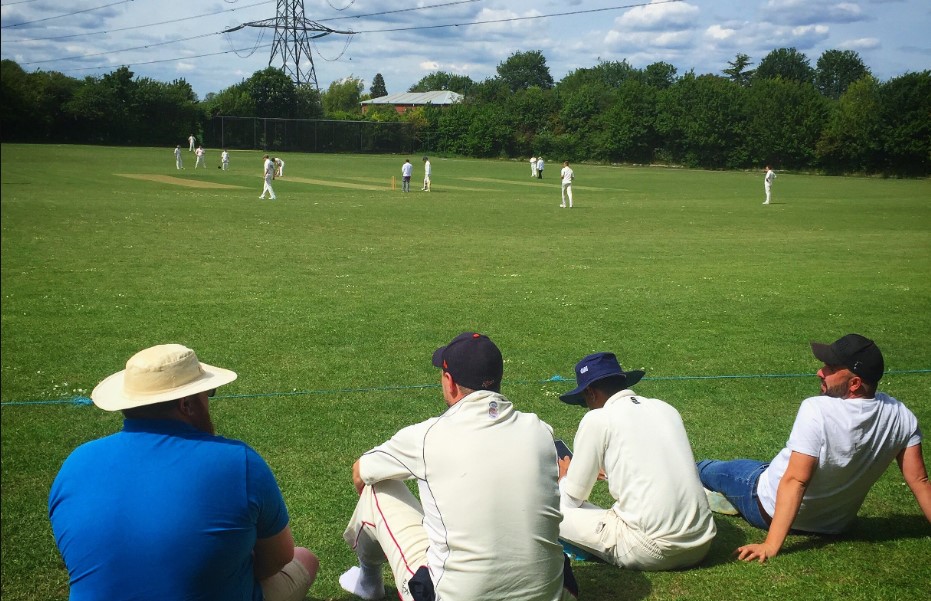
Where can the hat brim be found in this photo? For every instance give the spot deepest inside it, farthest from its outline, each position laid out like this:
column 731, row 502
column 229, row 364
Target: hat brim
column 575, row 397
column 110, row 395
column 825, row 354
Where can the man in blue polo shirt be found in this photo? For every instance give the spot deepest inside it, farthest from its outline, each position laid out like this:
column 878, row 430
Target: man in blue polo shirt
column 165, row 509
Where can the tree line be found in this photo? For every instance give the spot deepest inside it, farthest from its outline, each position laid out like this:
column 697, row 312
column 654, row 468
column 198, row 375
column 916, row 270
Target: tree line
column 835, row 117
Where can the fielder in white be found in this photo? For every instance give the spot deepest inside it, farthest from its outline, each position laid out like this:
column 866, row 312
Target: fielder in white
column 660, row 519
column 179, row 164
column 191, row 139
column 487, row 522
column 567, row 176
column 225, row 160
column 768, row 184
column 540, row 167
column 279, row 165
column 533, row 167
column 268, row 173
column 199, row 153
column 426, row 174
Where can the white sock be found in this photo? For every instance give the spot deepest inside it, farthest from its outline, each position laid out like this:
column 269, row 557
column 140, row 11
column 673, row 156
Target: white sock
column 365, row 582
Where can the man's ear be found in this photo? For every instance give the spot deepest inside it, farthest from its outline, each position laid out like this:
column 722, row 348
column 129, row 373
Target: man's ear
column 855, row 386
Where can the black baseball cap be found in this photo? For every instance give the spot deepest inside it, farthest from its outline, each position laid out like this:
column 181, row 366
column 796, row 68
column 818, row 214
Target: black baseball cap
column 857, row 353
column 472, row 360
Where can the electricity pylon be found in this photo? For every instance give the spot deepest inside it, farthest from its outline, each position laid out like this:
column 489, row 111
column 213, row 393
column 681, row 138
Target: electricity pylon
column 293, row 32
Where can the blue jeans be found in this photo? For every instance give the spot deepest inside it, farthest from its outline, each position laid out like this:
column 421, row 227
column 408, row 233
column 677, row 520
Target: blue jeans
column 737, row 481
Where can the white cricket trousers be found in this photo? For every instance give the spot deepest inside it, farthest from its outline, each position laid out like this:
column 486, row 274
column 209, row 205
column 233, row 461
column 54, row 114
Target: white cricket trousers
column 603, row 533
column 387, row 525
column 567, row 191
column 769, row 191
column 268, row 188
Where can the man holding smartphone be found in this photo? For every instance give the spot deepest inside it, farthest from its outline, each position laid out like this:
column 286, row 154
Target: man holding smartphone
column 660, row 519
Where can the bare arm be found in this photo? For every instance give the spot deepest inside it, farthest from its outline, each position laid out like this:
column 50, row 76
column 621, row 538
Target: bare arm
column 913, row 469
column 357, row 477
column 789, row 495
column 272, row 553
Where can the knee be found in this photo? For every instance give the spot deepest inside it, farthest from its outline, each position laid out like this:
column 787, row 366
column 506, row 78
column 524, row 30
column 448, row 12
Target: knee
column 307, row 559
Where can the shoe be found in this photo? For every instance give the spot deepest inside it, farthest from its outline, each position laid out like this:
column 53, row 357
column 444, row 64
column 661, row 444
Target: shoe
column 719, row 503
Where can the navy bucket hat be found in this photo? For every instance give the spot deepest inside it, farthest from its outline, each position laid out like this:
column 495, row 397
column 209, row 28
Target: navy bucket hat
column 597, row 367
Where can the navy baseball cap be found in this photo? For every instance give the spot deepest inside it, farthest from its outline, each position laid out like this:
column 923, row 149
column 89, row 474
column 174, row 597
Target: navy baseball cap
column 597, row 367
column 857, row 353
column 472, row 360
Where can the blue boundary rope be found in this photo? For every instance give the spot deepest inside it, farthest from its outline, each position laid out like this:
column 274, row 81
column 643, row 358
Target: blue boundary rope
column 81, row 400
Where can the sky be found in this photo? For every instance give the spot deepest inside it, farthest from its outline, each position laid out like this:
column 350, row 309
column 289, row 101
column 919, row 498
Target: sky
column 405, row 40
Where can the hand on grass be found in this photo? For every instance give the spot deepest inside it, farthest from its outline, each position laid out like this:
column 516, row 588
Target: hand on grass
column 759, row 552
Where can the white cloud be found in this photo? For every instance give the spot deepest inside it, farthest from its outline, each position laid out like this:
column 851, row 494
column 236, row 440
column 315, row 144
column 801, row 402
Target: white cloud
column 654, row 17
column 861, row 44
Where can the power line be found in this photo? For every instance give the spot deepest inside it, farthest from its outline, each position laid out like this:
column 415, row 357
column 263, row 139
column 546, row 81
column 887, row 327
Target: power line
column 413, row 28
column 513, row 19
column 78, row 35
column 77, row 12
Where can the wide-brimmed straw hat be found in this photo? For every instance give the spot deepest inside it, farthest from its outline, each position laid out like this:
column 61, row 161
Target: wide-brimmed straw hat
column 166, row 372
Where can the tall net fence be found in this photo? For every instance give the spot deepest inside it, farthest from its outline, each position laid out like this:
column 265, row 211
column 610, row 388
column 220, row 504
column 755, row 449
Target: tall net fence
column 312, row 135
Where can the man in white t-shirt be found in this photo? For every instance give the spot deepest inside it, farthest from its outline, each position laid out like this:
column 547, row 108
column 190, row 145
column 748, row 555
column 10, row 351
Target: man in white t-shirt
column 225, row 160
column 567, row 176
column 540, row 165
column 407, row 170
column 179, row 163
column 841, row 443
column 533, row 167
column 486, row 525
column 191, row 139
column 660, row 519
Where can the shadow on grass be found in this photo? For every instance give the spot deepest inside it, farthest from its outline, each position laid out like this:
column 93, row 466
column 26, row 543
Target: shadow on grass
column 602, row 582
column 730, row 536
column 867, row 530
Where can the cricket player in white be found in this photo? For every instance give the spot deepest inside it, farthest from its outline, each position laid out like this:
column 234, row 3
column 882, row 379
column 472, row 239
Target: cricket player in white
column 279, row 165
column 191, row 140
column 487, row 522
column 660, row 519
column 179, row 164
column 426, row 174
column 199, row 153
column 225, row 160
column 567, row 176
column 268, row 172
column 768, row 184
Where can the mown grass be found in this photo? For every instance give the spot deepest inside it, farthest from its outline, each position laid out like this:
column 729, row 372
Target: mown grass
column 329, row 302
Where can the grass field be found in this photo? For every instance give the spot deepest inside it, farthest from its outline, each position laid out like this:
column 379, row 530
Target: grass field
column 329, row 302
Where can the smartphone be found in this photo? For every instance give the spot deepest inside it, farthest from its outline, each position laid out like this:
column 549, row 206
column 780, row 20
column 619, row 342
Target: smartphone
column 562, row 450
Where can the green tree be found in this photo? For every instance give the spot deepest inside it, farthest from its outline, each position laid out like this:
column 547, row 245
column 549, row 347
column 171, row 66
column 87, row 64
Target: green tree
column 441, row 80
column 342, row 97
column 852, row 139
column 659, row 75
column 787, row 63
column 309, row 103
column 273, row 93
column 703, row 119
column 738, row 71
column 905, row 122
column 378, row 88
column 784, row 122
column 17, row 100
column 523, row 70
column 836, row 70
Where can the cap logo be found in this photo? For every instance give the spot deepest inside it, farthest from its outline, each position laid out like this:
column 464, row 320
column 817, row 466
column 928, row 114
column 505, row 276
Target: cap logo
column 584, row 370
column 493, row 410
